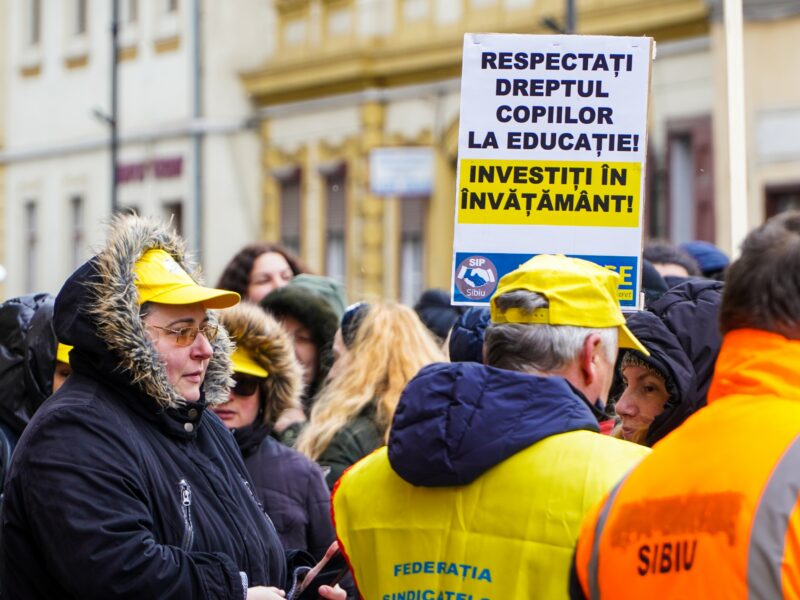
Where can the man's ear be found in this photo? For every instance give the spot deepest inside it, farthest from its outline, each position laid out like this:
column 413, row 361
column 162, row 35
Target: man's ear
column 587, row 358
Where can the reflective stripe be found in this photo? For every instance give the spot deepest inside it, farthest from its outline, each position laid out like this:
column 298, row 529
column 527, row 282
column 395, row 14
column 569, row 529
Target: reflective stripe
column 594, row 583
column 768, row 535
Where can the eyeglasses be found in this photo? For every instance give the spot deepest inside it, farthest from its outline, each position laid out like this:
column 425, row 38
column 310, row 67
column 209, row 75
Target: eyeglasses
column 244, row 385
column 185, row 336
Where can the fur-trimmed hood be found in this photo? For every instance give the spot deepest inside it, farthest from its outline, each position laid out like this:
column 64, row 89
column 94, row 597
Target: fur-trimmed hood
column 251, row 329
column 97, row 312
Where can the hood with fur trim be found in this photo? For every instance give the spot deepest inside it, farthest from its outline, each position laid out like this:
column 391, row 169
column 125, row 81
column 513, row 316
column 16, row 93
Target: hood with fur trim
column 97, row 312
column 251, row 329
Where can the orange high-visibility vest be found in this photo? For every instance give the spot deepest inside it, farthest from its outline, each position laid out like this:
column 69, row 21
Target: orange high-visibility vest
column 713, row 511
column 508, row 534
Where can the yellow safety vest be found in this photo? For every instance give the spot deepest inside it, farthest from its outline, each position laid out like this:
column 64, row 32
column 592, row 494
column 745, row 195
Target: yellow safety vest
column 508, row 534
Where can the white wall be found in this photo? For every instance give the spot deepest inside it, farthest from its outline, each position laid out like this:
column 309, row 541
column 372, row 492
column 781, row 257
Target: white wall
column 238, row 37
column 54, row 143
column 51, row 183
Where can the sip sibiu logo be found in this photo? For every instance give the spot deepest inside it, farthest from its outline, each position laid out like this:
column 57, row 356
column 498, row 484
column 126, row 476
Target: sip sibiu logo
column 476, row 277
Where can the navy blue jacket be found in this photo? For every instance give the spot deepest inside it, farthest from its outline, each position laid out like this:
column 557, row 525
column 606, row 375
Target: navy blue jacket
column 457, row 420
column 294, row 494
column 466, row 337
column 681, row 331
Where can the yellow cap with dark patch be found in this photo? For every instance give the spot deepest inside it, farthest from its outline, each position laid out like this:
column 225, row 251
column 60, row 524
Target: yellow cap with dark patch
column 579, row 293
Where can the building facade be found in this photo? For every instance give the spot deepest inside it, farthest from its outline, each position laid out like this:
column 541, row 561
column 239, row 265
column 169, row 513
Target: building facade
column 188, row 146
column 350, row 76
column 257, row 120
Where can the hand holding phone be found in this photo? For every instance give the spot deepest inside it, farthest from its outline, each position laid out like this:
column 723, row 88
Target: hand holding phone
column 328, row 571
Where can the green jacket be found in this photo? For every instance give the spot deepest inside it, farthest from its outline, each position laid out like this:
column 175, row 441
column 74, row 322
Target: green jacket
column 358, row 438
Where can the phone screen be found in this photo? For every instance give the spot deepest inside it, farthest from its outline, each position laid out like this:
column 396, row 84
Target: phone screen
column 334, row 566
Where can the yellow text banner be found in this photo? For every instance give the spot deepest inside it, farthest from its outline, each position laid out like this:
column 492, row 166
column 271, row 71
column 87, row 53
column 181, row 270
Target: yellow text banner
column 582, row 194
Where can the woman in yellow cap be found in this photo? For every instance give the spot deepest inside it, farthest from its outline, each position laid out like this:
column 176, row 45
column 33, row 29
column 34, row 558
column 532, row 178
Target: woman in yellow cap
column 125, row 485
column 268, row 381
column 62, row 370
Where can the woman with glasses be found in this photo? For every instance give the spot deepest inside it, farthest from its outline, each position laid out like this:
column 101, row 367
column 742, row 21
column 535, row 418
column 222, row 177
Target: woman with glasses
column 124, row 485
column 268, row 380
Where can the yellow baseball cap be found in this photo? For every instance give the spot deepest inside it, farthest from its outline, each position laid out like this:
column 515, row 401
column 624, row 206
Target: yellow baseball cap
column 159, row 278
column 62, row 353
column 243, row 362
column 580, row 293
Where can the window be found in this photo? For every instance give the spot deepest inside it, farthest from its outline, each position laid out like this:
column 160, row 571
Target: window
column 412, row 251
column 31, row 247
column 173, row 213
column 688, row 206
column 782, row 198
column 34, row 22
column 290, row 211
column 336, row 217
column 78, row 235
column 681, row 196
column 80, row 17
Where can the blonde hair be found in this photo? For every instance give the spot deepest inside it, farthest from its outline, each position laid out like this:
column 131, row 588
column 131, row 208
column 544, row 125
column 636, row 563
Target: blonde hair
column 391, row 346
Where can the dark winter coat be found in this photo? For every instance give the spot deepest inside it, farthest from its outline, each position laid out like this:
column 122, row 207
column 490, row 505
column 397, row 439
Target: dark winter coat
column 290, row 486
column 27, row 361
column 681, row 332
column 466, row 337
column 119, row 488
column 292, row 489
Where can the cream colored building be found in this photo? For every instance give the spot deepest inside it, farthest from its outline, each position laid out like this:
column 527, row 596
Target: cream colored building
column 187, row 152
column 772, row 104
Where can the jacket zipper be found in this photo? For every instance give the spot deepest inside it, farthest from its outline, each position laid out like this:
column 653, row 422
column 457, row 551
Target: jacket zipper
column 260, row 506
column 186, row 509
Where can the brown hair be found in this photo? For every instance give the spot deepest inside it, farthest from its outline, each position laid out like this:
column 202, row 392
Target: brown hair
column 762, row 288
column 236, row 276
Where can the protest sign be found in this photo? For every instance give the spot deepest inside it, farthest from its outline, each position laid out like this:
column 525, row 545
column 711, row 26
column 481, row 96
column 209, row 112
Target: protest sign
column 552, row 147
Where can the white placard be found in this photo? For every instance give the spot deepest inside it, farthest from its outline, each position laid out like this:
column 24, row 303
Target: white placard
column 551, row 159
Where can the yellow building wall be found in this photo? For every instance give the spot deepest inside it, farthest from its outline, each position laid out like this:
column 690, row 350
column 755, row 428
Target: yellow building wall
column 321, row 54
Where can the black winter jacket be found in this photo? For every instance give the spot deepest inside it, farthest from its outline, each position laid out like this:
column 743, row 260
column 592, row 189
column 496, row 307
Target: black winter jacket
column 293, row 491
column 121, row 489
column 27, row 361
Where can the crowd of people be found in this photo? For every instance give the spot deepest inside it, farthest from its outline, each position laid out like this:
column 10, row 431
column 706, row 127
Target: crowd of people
column 164, row 439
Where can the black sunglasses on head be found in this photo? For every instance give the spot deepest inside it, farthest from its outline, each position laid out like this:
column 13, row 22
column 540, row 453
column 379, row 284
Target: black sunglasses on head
column 244, row 385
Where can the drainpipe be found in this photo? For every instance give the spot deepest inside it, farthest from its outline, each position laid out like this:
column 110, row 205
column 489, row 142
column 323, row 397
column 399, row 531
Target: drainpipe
column 197, row 132
column 113, row 118
column 570, row 18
